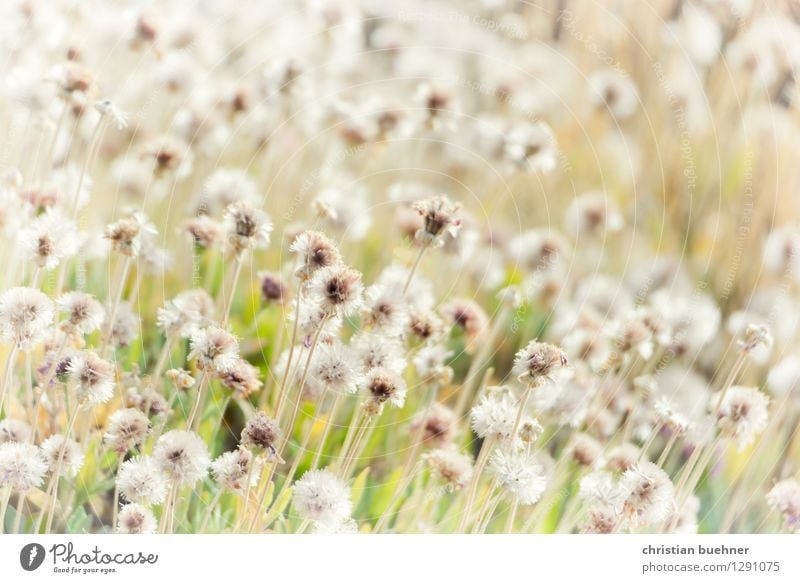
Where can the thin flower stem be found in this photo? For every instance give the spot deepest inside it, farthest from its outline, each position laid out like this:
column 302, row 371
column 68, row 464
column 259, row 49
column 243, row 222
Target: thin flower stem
column 284, row 380
column 12, row 355
column 667, row 449
column 21, row 497
column 228, row 300
column 355, row 449
column 195, row 415
column 329, row 421
column 414, row 268
column 4, row 498
column 480, row 464
column 210, row 509
column 166, row 350
column 512, row 515
column 57, row 471
column 477, row 364
column 112, row 315
column 406, row 475
column 293, row 419
column 115, row 508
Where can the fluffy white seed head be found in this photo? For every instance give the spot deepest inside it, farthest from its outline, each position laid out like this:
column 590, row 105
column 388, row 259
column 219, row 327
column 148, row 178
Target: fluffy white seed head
column 322, row 497
column 182, row 456
column 22, row 466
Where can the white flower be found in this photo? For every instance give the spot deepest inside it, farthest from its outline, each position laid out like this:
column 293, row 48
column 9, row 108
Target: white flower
column 593, row 214
column 127, row 428
column 785, row 498
column 182, row 456
column 50, row 239
column 385, row 309
column 93, row 377
column 494, row 416
column 345, row 209
column 214, row 348
column 532, row 147
column 538, row 361
column 233, row 468
column 378, row 351
column 333, row 368
column 385, row 386
column 14, row 431
column 136, row 519
column 84, row 313
column 520, row 475
column 743, row 414
column 247, row 227
column 25, row 316
column 186, row 312
column 452, row 466
column 599, row 489
column 646, row 494
column 320, row 496
column 22, row 466
column 140, row 480
column 613, row 89
column 70, row 453
column 227, row 186
column 430, row 362
column 315, row 252
column 118, row 117
column 784, row 377
column 337, row 289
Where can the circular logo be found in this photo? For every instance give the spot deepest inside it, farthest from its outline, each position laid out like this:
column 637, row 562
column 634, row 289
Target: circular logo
column 31, row 556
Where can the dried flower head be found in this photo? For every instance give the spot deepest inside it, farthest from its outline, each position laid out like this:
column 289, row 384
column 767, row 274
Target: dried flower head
column 538, row 361
column 437, row 424
column 247, row 227
column 14, row 431
column 233, row 468
column 93, row 377
column 531, row 147
column 754, row 336
column 22, row 466
column 440, row 220
column 784, row 497
column 494, row 415
column 315, row 252
column 181, row 379
column 337, row 289
column 141, row 480
column 320, row 496
column 126, row 234
column 743, row 414
column 186, row 313
column 136, row 519
column 84, row 314
column 520, row 475
column 127, row 429
column 452, row 466
column 466, row 315
column 205, row 232
column 69, row 451
column 182, row 456
column 333, row 368
column 273, row 289
column 241, row 378
column 50, row 239
column 215, row 349
column 646, row 494
column 261, row 432
column 25, row 316
column 384, row 386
